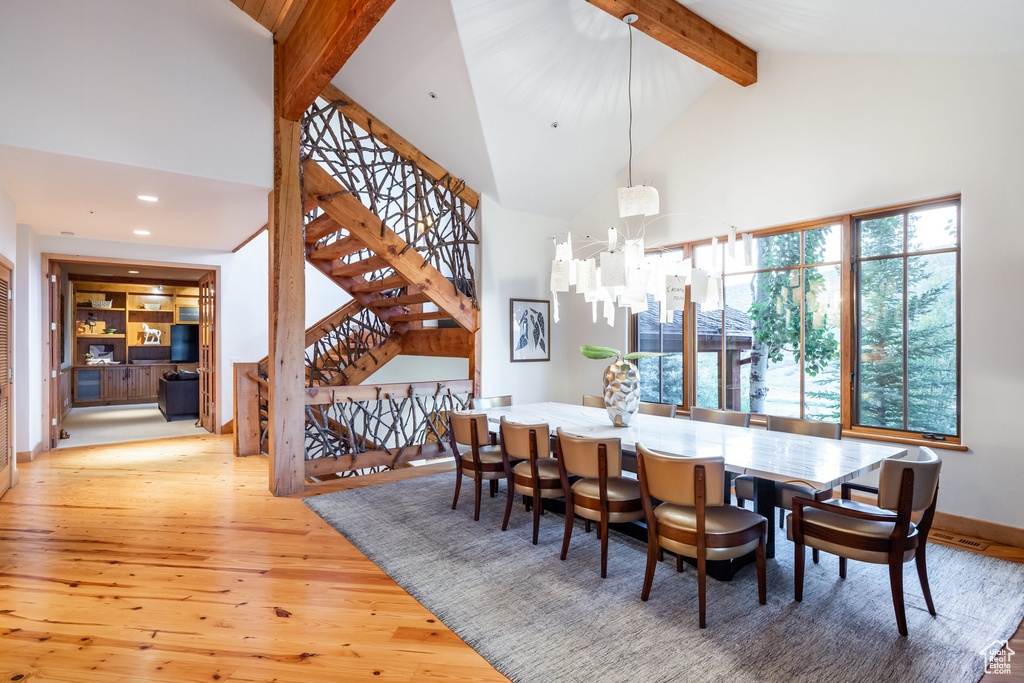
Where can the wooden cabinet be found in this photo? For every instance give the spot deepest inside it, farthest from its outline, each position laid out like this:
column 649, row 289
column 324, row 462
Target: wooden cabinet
column 141, row 383
column 115, row 384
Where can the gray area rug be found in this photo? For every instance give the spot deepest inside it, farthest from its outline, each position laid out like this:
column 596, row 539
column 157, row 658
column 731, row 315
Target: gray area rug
column 539, row 620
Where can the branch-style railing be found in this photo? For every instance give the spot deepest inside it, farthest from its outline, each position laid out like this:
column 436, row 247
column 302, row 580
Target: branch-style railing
column 357, row 428
column 340, row 340
column 429, row 213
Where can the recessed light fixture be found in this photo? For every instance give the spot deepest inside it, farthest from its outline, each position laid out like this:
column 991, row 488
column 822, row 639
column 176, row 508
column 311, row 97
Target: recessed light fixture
column 554, row 124
column 432, row 95
column 133, row 272
column 141, row 232
column 148, row 198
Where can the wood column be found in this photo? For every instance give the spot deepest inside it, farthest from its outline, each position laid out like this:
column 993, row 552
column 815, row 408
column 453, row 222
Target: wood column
column 287, row 305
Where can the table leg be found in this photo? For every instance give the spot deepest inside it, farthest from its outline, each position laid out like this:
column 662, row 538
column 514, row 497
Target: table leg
column 764, row 505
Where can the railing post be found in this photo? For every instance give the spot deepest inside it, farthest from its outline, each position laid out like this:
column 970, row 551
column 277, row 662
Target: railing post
column 247, row 410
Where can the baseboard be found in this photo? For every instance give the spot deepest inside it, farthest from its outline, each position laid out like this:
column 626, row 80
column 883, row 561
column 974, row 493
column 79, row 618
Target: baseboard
column 978, row 528
column 29, row 456
column 228, row 427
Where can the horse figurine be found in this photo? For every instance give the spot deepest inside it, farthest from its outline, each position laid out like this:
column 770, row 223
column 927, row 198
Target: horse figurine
column 152, row 334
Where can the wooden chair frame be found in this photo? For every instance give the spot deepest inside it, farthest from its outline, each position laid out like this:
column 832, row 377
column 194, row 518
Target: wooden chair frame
column 534, row 483
column 894, row 546
column 477, row 467
column 697, row 538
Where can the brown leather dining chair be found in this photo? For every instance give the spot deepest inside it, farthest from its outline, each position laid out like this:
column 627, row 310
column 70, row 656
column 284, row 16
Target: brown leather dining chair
column 722, row 417
column 785, row 492
column 601, row 494
column 488, row 402
column 695, row 520
column 879, row 534
column 474, row 457
column 536, row 477
column 659, row 409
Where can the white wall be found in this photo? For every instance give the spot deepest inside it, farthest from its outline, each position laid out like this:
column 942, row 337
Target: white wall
column 28, row 347
column 825, row 134
column 177, row 86
column 516, row 263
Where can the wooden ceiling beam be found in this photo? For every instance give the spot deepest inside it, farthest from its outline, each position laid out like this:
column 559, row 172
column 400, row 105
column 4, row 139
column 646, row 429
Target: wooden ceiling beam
column 670, row 23
column 325, row 36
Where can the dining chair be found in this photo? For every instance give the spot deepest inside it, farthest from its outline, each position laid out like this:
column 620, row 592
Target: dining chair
column 695, row 520
column 879, row 534
column 601, row 494
column 659, row 409
column 785, row 492
column 474, row 457
column 722, row 417
column 492, row 402
column 537, row 476
column 592, row 401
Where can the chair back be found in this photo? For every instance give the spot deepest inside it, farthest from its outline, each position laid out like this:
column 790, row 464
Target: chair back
column 492, row 402
column 926, row 480
column 591, row 401
column 793, row 425
column 659, row 409
column 721, row 417
column 671, row 477
column 579, row 454
column 462, row 426
column 516, row 438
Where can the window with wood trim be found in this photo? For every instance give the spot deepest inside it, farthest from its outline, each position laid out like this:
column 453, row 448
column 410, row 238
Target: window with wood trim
column 851, row 319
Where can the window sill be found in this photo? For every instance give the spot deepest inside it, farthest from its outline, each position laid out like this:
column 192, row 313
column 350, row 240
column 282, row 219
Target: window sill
column 948, row 445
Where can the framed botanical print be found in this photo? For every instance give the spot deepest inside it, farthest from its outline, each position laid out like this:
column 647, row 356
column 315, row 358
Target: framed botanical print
column 530, row 331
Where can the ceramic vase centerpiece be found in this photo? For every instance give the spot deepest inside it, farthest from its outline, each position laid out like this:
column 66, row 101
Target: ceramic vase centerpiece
column 621, row 382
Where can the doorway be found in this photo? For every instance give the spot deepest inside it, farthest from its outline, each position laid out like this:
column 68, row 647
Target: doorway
column 6, row 392
column 126, row 351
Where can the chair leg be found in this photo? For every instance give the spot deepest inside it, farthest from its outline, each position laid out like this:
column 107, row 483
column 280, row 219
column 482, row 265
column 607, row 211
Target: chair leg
column 922, row 574
column 679, row 563
column 476, row 499
column 603, row 530
column 528, row 502
column 740, row 501
column 536, row 518
column 652, row 561
column 842, row 567
column 458, row 486
column 782, row 518
column 661, row 554
column 702, row 592
column 814, row 555
column 896, row 580
column 762, row 574
column 569, row 517
column 508, row 503
column 586, row 525
column 798, row 572
column 494, row 487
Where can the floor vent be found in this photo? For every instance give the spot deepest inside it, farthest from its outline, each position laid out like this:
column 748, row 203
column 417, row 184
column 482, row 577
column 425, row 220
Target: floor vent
column 958, row 541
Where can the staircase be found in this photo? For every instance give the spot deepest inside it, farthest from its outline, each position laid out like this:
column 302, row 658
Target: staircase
column 393, row 230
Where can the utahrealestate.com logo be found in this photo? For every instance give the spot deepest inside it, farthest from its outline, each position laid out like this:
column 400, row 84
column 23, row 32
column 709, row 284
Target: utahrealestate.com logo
column 996, row 657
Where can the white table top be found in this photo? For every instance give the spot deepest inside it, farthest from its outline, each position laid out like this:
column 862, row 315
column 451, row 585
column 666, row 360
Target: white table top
column 807, row 460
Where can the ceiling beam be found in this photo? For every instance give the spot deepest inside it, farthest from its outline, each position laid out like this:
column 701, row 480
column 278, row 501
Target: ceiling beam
column 325, row 36
column 670, row 23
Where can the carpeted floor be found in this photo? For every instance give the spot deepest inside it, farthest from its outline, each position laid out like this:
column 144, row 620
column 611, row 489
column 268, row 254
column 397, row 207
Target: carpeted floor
column 540, row 620
column 117, row 424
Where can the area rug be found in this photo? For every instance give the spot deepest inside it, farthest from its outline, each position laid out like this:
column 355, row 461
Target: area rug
column 537, row 619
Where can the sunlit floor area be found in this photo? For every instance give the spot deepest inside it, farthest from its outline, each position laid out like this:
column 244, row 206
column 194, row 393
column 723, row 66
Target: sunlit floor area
column 117, row 424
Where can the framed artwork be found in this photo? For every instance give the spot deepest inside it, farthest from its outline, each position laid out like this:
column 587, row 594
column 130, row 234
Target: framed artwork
column 530, row 331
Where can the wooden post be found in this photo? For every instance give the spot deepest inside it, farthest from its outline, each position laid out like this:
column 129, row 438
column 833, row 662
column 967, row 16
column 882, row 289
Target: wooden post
column 247, row 410
column 287, row 306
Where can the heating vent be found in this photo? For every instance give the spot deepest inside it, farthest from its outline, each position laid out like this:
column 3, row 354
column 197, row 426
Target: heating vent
column 954, row 540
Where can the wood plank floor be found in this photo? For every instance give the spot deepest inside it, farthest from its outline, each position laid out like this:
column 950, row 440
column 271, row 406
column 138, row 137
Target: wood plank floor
column 170, row 561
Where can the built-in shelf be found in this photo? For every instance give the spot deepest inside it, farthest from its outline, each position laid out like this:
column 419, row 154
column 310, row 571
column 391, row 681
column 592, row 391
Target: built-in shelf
column 94, row 308
column 102, row 336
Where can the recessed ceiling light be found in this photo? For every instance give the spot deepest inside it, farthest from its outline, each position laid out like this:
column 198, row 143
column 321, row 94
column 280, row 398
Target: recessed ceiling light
column 432, row 95
column 133, row 272
column 141, row 232
column 148, row 198
column 554, row 124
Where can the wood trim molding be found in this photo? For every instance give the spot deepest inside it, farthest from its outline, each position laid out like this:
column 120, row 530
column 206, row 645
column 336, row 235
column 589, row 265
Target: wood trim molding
column 979, row 528
column 29, row 456
column 670, row 23
column 248, row 239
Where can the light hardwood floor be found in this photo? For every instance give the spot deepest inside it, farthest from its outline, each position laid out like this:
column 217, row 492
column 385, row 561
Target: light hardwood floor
column 170, row 561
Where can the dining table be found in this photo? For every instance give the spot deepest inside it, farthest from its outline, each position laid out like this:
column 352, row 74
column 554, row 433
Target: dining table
column 769, row 457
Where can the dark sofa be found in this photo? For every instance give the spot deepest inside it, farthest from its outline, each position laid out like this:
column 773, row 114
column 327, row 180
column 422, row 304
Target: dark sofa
column 178, row 395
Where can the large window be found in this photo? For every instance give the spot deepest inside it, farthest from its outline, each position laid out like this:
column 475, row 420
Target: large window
column 882, row 285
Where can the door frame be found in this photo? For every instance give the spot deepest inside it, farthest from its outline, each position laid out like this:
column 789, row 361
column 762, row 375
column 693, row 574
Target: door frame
column 51, row 385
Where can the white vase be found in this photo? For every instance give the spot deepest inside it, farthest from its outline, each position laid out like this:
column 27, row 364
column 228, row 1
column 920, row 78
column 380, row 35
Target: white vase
column 621, row 392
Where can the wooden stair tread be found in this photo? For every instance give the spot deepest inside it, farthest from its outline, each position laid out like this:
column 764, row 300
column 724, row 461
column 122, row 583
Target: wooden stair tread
column 426, row 315
column 335, row 250
column 404, row 300
column 384, row 284
column 320, row 227
column 366, row 265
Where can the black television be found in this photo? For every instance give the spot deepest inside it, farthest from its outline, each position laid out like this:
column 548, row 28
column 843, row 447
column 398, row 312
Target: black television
column 184, row 343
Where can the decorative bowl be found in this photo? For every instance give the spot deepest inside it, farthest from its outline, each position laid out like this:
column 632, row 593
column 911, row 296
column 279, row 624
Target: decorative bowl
column 110, row 330
column 100, row 303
